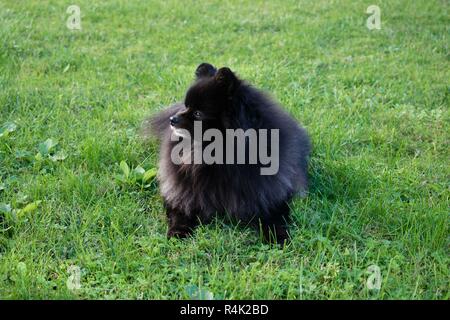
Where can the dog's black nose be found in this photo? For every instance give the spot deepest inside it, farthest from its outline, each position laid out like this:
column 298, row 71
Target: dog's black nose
column 173, row 120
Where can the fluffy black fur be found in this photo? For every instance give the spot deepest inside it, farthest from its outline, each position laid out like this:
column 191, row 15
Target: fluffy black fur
column 196, row 193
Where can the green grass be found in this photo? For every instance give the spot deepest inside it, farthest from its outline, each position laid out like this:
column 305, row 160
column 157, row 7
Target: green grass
column 376, row 104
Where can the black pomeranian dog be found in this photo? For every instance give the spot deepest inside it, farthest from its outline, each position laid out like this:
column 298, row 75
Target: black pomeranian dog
column 194, row 193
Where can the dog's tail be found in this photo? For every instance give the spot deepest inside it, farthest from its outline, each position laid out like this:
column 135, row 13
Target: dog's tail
column 157, row 124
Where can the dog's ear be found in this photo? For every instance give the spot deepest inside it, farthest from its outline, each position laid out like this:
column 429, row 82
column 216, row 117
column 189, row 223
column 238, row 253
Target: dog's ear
column 205, row 70
column 227, row 79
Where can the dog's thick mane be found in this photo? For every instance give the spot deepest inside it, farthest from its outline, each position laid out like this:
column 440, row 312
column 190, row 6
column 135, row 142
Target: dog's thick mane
column 238, row 190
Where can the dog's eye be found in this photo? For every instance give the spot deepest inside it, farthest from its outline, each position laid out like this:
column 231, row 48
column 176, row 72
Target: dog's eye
column 197, row 114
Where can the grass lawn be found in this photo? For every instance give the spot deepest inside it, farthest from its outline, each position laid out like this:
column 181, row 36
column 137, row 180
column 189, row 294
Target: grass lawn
column 376, row 104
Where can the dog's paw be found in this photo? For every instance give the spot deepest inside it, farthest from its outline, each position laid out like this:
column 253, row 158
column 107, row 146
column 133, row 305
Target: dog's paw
column 276, row 234
column 178, row 233
column 283, row 238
